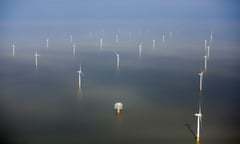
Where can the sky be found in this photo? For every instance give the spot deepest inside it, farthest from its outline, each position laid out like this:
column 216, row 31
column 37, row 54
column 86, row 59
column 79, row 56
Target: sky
column 79, row 10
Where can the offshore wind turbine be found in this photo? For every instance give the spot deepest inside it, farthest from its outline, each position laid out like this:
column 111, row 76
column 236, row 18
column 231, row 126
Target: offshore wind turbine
column 116, row 38
column 163, row 39
column 129, row 36
column 205, row 63
column 153, row 43
column 205, row 44
column 140, row 50
column 36, row 59
column 74, row 49
column 208, row 51
column 170, row 35
column 101, row 43
column 211, row 37
column 13, row 49
column 199, row 122
column 79, row 77
column 200, row 81
column 71, row 39
column 118, row 60
column 47, row 43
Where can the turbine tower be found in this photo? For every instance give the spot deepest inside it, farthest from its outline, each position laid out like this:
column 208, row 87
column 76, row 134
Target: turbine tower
column 201, row 78
column 199, row 122
column 13, row 49
column 205, row 44
column 140, row 50
column 71, row 39
column 116, row 38
column 101, row 43
column 74, row 49
column 211, row 37
column 153, row 43
column 79, row 77
column 208, row 51
column 36, row 59
column 205, row 63
column 170, row 35
column 163, row 39
column 118, row 61
column 47, row 43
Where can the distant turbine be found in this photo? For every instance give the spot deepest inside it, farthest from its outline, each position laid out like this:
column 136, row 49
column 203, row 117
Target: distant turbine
column 163, row 39
column 118, row 61
column 90, row 35
column 13, row 49
column 116, row 38
column 205, row 63
column 201, row 79
column 140, row 50
column 205, row 44
column 118, row 107
column 211, row 37
column 199, row 121
column 79, row 77
column 101, row 43
column 74, row 49
column 170, row 35
column 36, row 59
column 208, row 51
column 153, row 43
column 47, row 43
column 71, row 39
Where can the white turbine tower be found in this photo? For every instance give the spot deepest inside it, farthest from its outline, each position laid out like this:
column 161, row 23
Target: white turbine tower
column 140, row 50
column 47, row 43
column 74, row 49
column 163, row 39
column 205, row 44
column 205, row 63
column 211, row 37
column 208, row 51
column 170, row 35
column 116, row 38
column 101, row 43
column 71, row 39
column 200, row 81
column 79, row 77
column 13, row 49
column 118, row 61
column 199, row 122
column 153, row 43
column 36, row 59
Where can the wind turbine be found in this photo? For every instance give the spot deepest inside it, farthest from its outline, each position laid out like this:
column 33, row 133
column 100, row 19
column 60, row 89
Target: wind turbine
column 47, row 43
column 199, row 122
column 101, row 43
column 79, row 77
column 205, row 44
column 208, row 51
column 211, row 37
column 71, row 39
column 163, row 39
column 140, row 50
column 200, row 83
column 129, row 36
column 74, row 49
column 13, row 49
column 116, row 38
column 90, row 35
column 153, row 43
column 170, row 35
column 118, row 61
column 36, row 59
column 205, row 63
